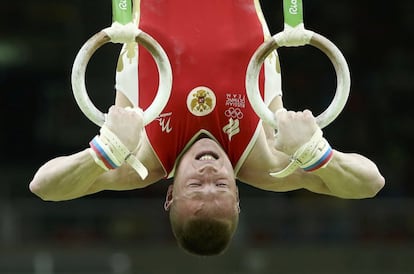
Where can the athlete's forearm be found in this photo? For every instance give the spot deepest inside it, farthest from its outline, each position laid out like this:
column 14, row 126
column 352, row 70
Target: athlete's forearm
column 351, row 176
column 65, row 178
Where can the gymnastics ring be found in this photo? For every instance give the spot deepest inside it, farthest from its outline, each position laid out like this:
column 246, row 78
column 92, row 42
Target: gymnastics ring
column 318, row 41
column 85, row 54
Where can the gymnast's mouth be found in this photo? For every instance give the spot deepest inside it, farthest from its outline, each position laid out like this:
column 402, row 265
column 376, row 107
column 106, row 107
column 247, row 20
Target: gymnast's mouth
column 207, row 156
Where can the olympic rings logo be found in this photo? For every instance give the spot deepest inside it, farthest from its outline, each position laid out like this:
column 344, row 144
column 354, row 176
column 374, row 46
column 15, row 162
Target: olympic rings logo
column 234, row 113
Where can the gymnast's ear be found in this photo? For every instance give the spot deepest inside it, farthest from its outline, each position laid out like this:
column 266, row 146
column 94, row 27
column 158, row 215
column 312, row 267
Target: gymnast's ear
column 168, row 198
column 238, row 200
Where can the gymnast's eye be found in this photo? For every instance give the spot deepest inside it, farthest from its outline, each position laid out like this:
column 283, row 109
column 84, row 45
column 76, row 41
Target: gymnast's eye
column 221, row 184
column 194, row 184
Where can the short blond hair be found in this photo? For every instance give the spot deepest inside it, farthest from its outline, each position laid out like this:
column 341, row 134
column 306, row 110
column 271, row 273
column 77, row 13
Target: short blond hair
column 203, row 236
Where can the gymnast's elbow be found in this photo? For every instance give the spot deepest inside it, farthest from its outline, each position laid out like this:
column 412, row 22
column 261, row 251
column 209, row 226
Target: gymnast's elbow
column 36, row 188
column 41, row 189
column 377, row 184
column 363, row 188
column 372, row 187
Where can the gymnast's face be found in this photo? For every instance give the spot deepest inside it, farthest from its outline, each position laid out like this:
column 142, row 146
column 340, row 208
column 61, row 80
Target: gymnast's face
column 204, row 179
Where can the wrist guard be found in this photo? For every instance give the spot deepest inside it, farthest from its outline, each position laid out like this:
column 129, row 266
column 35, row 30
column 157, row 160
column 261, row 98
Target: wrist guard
column 314, row 154
column 110, row 153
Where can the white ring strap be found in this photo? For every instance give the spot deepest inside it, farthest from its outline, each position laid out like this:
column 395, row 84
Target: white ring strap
column 122, row 153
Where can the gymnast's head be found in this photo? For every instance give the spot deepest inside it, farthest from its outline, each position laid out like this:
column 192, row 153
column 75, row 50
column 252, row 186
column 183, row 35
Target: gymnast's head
column 203, row 201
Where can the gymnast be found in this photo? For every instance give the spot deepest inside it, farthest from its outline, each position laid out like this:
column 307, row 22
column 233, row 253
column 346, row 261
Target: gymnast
column 208, row 136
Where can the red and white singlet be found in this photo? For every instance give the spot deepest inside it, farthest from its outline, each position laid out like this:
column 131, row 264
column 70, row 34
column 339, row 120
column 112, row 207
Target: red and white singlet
column 209, row 44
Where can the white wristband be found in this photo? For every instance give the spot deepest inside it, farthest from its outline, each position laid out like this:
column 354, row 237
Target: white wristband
column 314, row 154
column 122, row 153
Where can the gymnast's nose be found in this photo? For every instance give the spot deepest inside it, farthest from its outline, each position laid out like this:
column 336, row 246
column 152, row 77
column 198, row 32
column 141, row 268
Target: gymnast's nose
column 207, row 169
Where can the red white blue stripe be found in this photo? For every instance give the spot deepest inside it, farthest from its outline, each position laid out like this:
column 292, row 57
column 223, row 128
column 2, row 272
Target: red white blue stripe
column 326, row 157
column 98, row 148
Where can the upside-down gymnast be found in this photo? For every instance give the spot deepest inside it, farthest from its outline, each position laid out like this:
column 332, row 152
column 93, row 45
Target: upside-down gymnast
column 208, row 134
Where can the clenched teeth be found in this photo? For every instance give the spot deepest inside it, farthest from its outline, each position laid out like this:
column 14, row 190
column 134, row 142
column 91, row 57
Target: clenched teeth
column 207, row 157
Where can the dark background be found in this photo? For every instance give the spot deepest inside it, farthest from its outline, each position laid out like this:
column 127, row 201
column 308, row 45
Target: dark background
column 128, row 232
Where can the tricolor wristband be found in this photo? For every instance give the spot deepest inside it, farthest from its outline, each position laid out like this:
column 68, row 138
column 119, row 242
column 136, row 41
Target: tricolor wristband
column 109, row 152
column 121, row 152
column 314, row 154
column 321, row 162
column 103, row 153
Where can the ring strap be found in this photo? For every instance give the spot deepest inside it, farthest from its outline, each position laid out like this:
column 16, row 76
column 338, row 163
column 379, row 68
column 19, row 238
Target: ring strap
column 119, row 33
column 314, row 154
column 122, row 153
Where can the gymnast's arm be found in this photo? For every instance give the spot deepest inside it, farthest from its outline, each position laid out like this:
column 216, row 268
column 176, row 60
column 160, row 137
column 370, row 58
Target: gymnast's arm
column 77, row 175
column 348, row 175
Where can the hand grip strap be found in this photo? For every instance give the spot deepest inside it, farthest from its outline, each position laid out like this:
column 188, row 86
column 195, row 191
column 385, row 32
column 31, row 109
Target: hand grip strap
column 314, row 154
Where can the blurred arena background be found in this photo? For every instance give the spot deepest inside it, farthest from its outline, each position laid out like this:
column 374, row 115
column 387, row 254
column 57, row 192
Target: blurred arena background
column 128, row 232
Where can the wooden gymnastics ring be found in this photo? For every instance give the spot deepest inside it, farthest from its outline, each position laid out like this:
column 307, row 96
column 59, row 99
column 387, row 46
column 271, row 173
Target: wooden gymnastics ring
column 295, row 34
column 98, row 40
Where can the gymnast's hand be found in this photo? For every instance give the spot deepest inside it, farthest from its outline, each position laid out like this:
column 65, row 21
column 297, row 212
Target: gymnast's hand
column 126, row 124
column 294, row 129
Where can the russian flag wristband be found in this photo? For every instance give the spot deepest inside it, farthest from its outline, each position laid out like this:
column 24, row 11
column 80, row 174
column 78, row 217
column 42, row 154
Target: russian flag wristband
column 314, row 154
column 109, row 152
column 320, row 160
column 103, row 155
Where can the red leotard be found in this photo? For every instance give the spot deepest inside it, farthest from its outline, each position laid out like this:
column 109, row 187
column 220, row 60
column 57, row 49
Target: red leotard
column 209, row 44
